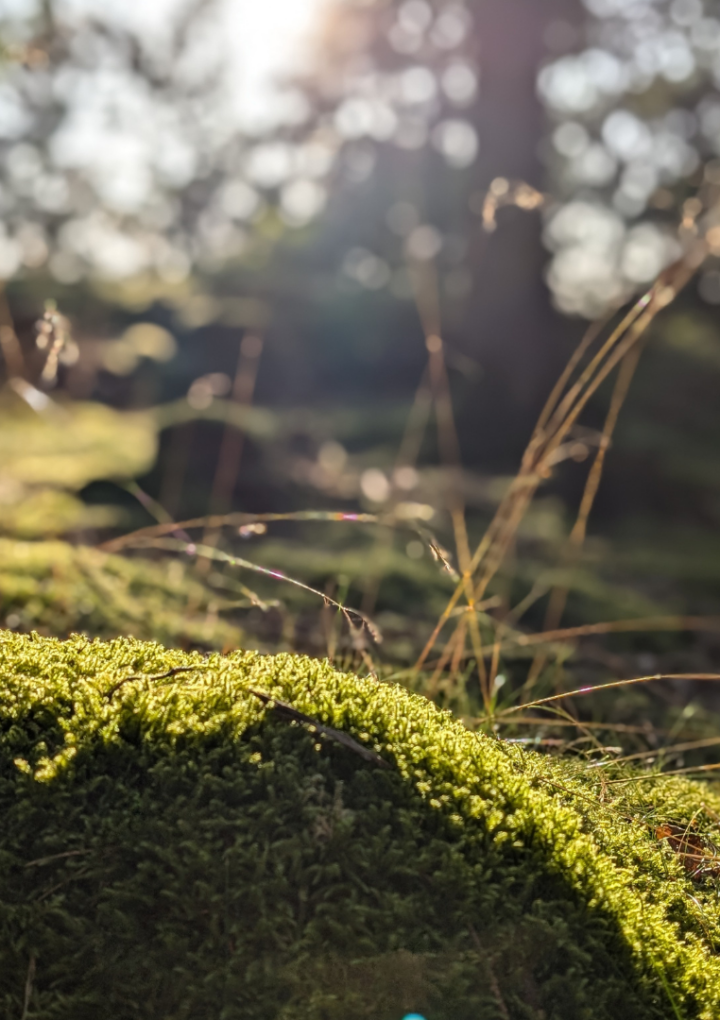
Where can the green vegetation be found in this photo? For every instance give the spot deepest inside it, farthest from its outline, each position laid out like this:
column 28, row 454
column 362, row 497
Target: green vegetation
column 72, row 444
column 174, row 847
column 272, row 384
column 57, row 588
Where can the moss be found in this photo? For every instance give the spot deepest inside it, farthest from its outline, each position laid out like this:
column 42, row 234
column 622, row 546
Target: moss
column 172, row 847
column 58, row 588
column 68, row 445
column 45, row 513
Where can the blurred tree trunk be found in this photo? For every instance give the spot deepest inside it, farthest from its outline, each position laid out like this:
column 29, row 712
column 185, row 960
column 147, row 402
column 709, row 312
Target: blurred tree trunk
column 519, row 338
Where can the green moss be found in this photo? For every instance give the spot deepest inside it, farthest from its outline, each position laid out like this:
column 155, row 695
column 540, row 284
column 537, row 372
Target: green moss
column 171, row 848
column 45, row 513
column 71, row 444
column 58, row 588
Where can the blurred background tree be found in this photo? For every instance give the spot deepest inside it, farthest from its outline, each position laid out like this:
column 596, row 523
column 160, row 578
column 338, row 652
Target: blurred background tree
column 267, row 212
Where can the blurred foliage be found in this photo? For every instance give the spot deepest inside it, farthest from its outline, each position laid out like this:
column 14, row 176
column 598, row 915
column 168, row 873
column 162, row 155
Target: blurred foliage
column 69, row 445
column 58, row 588
column 47, row 455
column 48, row 512
column 324, row 412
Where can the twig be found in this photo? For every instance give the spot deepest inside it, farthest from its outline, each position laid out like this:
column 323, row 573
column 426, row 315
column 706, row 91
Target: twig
column 156, row 676
column 40, row 861
column 29, row 982
column 286, row 711
column 494, row 986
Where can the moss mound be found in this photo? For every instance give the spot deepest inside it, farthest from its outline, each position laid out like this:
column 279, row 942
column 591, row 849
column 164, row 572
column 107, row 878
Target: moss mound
column 174, row 846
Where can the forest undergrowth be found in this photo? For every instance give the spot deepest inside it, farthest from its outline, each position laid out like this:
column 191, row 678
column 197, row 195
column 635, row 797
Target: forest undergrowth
column 592, row 868
column 482, row 658
column 499, row 654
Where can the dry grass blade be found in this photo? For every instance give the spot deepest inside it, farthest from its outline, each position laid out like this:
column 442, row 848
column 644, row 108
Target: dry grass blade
column 424, row 276
column 503, row 192
column 233, row 440
column 211, row 553
column 690, row 770
column 555, row 422
column 494, row 986
column 558, row 597
column 242, row 521
column 231, row 520
column 9, row 344
column 407, row 457
column 591, row 334
column 714, row 677
column 645, row 623
column 670, row 749
column 537, row 720
column 29, row 984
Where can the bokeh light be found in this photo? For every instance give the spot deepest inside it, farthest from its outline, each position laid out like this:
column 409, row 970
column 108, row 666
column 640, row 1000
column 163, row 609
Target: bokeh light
column 635, row 114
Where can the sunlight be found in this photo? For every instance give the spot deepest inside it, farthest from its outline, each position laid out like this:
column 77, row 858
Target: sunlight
column 271, row 41
column 262, row 41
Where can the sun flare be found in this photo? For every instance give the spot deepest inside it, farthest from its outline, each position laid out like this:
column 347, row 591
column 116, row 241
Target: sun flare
column 271, row 40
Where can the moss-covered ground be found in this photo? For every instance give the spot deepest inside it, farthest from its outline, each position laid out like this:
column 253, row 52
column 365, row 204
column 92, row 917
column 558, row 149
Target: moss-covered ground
column 174, row 846
column 57, row 588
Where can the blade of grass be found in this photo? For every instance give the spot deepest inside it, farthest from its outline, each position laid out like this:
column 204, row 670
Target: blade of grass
column 689, row 745
column 648, row 623
column 211, row 553
column 612, row 684
column 558, row 597
column 407, row 456
column 233, row 440
column 240, row 520
column 427, row 299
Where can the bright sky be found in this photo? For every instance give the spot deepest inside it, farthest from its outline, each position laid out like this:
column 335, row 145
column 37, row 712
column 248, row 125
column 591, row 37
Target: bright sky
column 271, row 38
column 124, row 140
column 263, row 38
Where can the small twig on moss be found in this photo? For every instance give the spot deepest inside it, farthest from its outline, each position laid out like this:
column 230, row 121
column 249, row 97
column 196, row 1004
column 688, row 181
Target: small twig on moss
column 40, row 861
column 59, row 885
column 157, row 676
column 29, row 982
column 494, row 986
column 286, row 711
